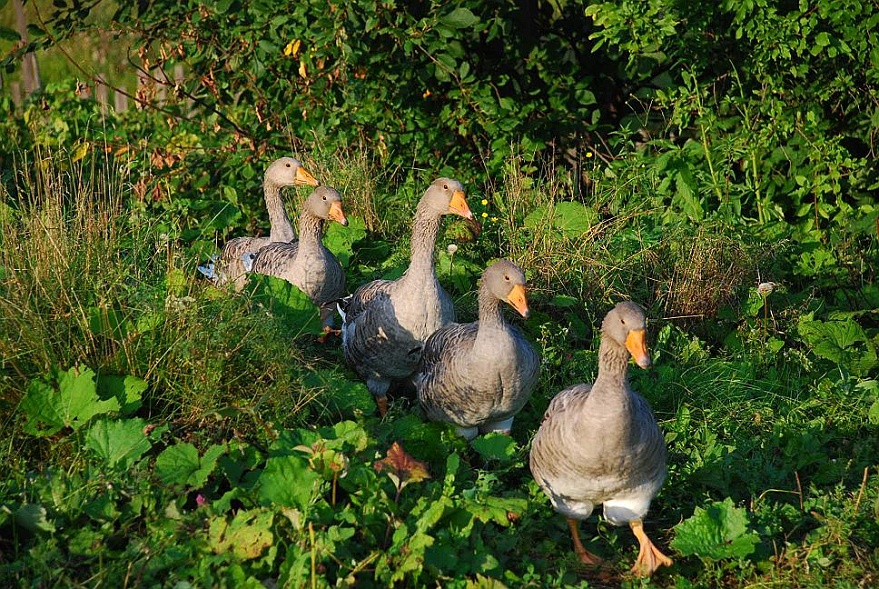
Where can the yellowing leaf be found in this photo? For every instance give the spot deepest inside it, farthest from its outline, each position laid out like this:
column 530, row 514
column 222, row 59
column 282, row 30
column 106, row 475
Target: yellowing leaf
column 80, row 150
column 302, row 71
column 246, row 537
column 292, row 47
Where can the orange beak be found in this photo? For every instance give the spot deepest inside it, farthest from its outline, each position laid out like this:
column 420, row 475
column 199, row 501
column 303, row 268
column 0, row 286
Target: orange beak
column 304, row 178
column 637, row 345
column 337, row 215
column 459, row 207
column 519, row 301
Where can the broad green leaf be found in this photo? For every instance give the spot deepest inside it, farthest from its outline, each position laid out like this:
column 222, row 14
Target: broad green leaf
column 288, row 481
column 128, row 390
column 247, row 536
column 119, row 442
column 287, row 302
column 495, row 446
column 181, row 465
column 720, row 531
column 340, row 240
column 72, row 404
column 177, row 463
column 844, row 342
column 32, row 517
column 460, row 18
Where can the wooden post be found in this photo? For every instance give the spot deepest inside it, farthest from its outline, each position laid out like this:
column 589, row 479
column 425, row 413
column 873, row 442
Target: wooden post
column 102, row 92
column 30, row 71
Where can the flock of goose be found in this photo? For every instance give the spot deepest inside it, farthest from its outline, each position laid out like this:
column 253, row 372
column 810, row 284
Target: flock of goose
column 598, row 443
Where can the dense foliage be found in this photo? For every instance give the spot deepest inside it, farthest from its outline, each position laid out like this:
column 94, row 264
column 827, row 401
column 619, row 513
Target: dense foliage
column 679, row 155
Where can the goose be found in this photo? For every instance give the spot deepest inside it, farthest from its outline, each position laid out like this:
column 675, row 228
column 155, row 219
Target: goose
column 385, row 322
column 228, row 266
column 600, row 443
column 305, row 262
column 478, row 376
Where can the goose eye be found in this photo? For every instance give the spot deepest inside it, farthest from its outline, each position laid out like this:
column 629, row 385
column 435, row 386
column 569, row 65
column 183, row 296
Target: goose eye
column 287, row 164
column 507, row 277
column 324, row 198
column 445, row 186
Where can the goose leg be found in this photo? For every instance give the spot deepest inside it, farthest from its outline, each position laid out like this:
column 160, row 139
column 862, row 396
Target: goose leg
column 586, row 557
column 649, row 556
column 327, row 332
column 379, row 390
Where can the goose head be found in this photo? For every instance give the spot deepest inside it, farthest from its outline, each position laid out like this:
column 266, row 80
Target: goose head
column 506, row 281
column 626, row 325
column 287, row 171
column 326, row 203
column 445, row 196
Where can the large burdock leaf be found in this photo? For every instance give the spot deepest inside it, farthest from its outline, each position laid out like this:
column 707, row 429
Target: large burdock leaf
column 246, row 536
column 288, row 481
column 72, row 404
column 402, row 468
column 717, row 532
column 842, row 341
column 180, row 464
column 120, row 442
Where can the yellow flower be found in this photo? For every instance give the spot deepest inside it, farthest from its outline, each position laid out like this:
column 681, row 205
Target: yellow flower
column 484, row 201
column 494, row 219
column 588, row 154
column 484, row 215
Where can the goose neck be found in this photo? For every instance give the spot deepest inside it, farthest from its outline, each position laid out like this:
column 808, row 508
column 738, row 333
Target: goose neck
column 310, row 228
column 425, row 231
column 279, row 223
column 490, row 312
column 613, row 365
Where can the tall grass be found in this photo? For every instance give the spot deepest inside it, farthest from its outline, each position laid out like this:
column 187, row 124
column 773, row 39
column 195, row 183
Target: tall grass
column 87, row 283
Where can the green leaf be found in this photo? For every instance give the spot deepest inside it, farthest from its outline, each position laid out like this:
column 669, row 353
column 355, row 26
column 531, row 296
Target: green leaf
column 32, row 517
column 500, row 510
column 128, row 390
column 8, row 34
column 844, row 342
column 460, row 18
column 181, row 465
column 340, row 240
column 495, row 446
column 286, row 302
column 119, row 442
column 873, row 413
column 72, row 404
column 246, row 537
column 288, row 481
column 177, row 463
column 717, row 532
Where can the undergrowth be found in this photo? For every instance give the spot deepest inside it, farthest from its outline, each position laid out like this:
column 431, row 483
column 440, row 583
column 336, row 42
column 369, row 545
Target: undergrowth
column 159, row 431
